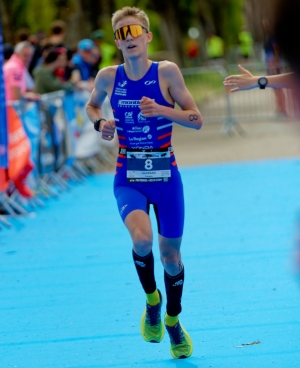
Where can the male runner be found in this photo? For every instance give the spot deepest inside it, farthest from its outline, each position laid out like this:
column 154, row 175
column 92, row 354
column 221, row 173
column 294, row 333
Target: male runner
column 142, row 95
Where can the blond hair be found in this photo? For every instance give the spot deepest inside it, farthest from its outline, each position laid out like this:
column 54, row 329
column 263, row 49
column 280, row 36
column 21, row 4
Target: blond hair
column 129, row 11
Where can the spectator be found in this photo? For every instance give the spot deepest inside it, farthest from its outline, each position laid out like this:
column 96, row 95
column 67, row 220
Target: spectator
column 273, row 61
column 22, row 34
column 44, row 52
column 214, row 47
column 36, row 40
column 108, row 52
column 192, row 51
column 16, row 73
column 61, row 71
column 8, row 50
column 16, row 87
column 57, row 33
column 70, row 67
column 95, row 61
column 45, row 79
column 86, row 61
column 245, row 44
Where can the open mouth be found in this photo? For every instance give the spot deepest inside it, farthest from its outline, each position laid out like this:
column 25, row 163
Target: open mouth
column 131, row 47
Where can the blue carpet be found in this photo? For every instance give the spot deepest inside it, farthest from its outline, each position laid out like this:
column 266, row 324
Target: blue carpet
column 70, row 296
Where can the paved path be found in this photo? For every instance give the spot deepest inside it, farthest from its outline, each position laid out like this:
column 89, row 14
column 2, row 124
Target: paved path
column 261, row 140
column 70, row 296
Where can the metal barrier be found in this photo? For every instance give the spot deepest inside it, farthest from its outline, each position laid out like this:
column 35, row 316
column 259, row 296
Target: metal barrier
column 206, row 86
column 64, row 149
column 62, row 121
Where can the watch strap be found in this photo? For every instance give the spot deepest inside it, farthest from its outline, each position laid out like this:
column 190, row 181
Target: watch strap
column 97, row 124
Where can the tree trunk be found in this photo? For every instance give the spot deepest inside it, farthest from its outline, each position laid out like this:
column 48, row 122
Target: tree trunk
column 107, row 9
column 171, row 32
column 78, row 26
column 256, row 11
column 7, row 29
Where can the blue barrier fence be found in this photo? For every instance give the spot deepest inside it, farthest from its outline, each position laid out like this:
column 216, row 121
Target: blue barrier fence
column 3, row 126
column 64, row 148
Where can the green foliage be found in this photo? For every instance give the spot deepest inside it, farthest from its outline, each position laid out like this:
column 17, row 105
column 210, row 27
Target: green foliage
column 186, row 12
column 155, row 21
column 228, row 18
column 40, row 17
column 17, row 10
column 32, row 14
column 232, row 20
column 64, row 8
column 203, row 86
column 119, row 4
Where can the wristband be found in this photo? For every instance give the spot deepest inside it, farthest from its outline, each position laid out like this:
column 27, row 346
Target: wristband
column 97, row 124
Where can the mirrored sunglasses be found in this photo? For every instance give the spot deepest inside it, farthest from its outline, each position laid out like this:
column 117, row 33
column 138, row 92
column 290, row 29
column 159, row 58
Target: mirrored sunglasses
column 134, row 29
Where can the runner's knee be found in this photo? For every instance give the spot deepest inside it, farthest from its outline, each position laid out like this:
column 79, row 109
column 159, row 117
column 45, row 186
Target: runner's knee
column 142, row 242
column 170, row 258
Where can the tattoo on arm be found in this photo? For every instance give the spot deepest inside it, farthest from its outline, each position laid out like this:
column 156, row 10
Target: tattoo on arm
column 193, row 117
column 180, row 266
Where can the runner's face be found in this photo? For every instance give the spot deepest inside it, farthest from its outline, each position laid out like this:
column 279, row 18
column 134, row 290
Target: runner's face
column 133, row 46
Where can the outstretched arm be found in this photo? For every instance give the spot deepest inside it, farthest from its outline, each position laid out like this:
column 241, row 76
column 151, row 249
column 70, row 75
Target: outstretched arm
column 189, row 115
column 246, row 81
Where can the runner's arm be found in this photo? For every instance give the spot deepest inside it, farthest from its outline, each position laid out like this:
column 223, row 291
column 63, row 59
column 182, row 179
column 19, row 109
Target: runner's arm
column 189, row 115
column 93, row 107
column 98, row 95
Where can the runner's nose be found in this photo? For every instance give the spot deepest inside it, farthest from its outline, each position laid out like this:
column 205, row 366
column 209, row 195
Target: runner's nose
column 128, row 36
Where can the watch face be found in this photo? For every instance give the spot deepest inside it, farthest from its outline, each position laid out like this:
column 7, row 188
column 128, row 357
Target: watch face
column 263, row 81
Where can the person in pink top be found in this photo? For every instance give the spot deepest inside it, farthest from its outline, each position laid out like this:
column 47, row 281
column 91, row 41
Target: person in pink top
column 15, row 73
column 16, row 87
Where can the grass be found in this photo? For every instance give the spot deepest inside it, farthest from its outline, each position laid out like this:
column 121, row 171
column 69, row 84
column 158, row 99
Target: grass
column 203, row 85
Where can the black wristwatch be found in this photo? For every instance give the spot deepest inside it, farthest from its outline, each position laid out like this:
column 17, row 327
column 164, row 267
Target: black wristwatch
column 262, row 82
column 97, row 124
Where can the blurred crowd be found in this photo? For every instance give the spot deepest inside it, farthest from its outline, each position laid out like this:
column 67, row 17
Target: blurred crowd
column 39, row 63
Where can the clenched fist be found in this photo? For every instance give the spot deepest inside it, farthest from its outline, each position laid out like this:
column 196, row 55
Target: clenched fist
column 107, row 129
column 149, row 107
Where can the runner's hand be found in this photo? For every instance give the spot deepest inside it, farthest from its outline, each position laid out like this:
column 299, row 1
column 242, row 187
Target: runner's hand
column 149, row 107
column 107, row 129
column 241, row 82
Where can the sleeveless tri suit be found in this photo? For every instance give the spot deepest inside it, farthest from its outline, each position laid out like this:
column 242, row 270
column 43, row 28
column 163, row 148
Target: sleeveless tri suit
column 146, row 169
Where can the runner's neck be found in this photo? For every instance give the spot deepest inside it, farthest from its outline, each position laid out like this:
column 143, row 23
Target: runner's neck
column 136, row 69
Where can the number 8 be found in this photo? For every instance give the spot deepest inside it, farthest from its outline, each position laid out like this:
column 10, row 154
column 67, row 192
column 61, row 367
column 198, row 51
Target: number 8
column 148, row 164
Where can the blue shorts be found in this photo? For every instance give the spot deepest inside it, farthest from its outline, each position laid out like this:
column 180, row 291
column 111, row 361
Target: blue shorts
column 166, row 197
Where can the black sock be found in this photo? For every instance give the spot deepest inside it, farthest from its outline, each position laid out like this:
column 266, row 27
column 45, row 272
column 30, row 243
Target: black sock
column 145, row 270
column 174, row 287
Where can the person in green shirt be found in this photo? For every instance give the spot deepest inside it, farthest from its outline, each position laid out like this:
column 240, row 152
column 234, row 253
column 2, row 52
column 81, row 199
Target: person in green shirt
column 44, row 77
column 215, row 47
column 245, row 44
column 108, row 52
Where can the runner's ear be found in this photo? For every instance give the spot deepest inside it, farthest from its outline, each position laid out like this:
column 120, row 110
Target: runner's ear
column 149, row 37
column 117, row 44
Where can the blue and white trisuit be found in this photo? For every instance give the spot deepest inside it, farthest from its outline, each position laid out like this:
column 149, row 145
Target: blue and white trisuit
column 146, row 169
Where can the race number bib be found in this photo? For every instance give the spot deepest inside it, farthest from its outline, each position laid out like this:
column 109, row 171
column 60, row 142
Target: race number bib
column 148, row 166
